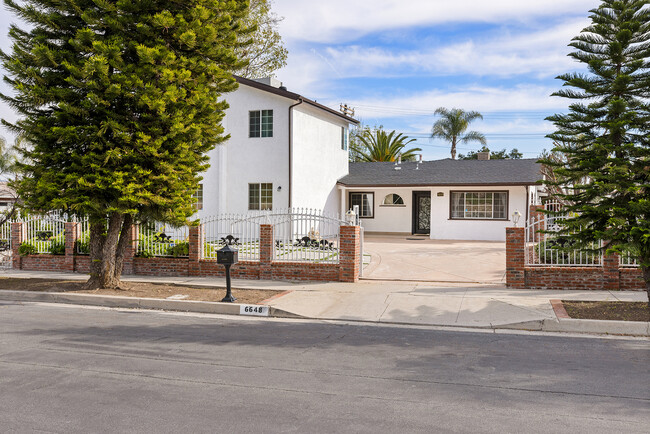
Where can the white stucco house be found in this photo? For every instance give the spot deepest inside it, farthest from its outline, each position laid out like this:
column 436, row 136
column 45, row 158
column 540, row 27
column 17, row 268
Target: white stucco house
column 286, row 150
column 446, row 199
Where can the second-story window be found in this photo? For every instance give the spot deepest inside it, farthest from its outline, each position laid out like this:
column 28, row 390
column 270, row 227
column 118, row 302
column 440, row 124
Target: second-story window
column 344, row 138
column 198, row 197
column 260, row 123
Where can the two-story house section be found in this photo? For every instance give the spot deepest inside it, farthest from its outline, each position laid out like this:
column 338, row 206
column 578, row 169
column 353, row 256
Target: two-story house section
column 284, row 151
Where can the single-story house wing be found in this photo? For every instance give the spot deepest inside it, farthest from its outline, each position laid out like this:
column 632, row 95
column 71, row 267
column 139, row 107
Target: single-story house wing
column 445, row 199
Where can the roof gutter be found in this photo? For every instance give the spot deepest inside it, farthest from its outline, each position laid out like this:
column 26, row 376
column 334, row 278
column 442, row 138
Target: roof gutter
column 300, row 101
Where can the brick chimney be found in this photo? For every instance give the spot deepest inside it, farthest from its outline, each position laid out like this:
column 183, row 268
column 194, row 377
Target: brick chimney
column 483, row 155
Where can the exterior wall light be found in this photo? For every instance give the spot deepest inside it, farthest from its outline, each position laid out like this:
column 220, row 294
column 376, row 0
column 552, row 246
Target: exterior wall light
column 515, row 217
column 350, row 217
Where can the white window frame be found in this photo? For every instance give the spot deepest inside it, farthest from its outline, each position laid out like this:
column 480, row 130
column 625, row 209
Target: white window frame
column 198, row 195
column 369, row 211
column 264, row 199
column 265, row 119
column 393, row 203
column 481, row 205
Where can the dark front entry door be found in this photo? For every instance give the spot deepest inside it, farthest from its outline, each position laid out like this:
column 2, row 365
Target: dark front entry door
column 421, row 212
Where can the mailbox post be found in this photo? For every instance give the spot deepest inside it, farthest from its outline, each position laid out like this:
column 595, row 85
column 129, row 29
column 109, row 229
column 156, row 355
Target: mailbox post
column 228, row 256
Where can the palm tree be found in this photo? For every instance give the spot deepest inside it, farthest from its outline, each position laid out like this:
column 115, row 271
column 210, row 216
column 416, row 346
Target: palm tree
column 378, row 145
column 451, row 126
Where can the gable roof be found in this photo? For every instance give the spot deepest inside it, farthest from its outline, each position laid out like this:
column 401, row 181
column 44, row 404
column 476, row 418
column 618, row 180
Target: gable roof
column 444, row 173
column 280, row 91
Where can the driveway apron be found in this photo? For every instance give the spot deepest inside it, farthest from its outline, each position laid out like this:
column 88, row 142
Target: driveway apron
column 417, row 258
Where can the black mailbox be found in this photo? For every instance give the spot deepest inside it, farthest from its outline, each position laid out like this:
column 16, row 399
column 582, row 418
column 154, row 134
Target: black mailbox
column 227, row 255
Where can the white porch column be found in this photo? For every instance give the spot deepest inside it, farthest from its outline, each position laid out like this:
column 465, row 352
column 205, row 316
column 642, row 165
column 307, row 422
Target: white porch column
column 342, row 193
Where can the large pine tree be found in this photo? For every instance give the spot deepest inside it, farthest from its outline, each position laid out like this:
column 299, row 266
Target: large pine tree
column 120, row 103
column 605, row 137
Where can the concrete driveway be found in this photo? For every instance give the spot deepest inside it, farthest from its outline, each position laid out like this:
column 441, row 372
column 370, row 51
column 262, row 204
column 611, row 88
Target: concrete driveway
column 421, row 259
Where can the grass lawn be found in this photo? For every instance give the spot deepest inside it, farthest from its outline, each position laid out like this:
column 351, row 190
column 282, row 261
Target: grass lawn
column 608, row 310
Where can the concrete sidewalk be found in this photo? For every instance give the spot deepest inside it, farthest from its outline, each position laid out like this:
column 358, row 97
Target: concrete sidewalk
column 459, row 305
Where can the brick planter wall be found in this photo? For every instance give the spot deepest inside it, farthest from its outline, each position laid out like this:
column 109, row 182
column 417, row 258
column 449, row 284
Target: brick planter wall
column 347, row 270
column 582, row 278
column 610, row 276
column 44, row 262
column 82, row 264
column 631, row 279
column 161, row 266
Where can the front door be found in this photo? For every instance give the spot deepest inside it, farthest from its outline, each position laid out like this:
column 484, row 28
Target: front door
column 421, row 212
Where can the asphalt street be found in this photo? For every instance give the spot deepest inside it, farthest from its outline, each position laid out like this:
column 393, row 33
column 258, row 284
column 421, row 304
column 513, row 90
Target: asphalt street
column 71, row 369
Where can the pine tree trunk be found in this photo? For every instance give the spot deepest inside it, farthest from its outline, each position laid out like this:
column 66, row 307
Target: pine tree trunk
column 96, row 246
column 122, row 244
column 107, row 275
column 103, row 253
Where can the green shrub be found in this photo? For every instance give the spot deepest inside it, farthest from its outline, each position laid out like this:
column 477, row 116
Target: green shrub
column 57, row 248
column 179, row 249
column 26, row 249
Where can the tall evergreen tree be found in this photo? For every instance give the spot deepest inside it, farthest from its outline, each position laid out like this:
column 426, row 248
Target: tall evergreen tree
column 120, row 103
column 605, row 137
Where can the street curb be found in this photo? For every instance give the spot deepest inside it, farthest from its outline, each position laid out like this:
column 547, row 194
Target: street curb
column 135, row 303
column 562, row 325
column 592, row 326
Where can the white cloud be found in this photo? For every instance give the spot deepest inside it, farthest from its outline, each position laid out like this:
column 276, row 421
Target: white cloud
column 538, row 54
column 344, row 20
column 520, row 98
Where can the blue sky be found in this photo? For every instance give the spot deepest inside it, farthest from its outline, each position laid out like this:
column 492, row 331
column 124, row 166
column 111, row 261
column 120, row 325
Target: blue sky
column 395, row 62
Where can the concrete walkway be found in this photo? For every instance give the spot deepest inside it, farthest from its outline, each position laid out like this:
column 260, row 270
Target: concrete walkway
column 460, row 305
column 417, row 258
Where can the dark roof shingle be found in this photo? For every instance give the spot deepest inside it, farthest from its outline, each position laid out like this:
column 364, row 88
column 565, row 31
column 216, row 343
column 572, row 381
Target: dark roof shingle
column 444, row 172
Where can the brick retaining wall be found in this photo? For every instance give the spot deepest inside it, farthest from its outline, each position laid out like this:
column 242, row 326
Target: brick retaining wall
column 44, row 262
column 610, row 276
column 346, row 271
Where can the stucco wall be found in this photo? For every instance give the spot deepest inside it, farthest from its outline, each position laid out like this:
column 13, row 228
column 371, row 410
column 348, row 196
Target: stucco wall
column 443, row 228
column 243, row 160
column 399, row 219
column 318, row 160
column 392, row 219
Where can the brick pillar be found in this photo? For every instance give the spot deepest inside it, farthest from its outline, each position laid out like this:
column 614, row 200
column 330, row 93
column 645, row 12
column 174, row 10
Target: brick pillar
column 16, row 240
column 71, row 236
column 196, row 250
column 515, row 258
column 266, row 252
column 349, row 250
column 611, row 273
column 130, row 251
